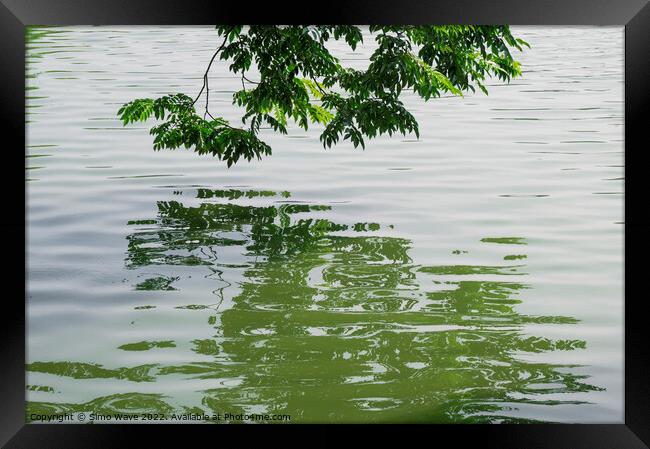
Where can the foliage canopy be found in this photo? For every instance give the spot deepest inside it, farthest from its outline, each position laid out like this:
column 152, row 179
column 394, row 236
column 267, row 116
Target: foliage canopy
column 299, row 80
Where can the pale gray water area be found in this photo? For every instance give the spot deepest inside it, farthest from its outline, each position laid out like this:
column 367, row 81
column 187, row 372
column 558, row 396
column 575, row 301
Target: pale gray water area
column 472, row 275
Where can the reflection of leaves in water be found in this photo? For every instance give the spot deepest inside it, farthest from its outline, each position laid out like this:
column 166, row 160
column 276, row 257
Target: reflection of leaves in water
column 514, row 257
column 196, row 231
column 146, row 345
column 141, row 222
column 39, row 388
column 92, row 371
column 206, row 347
column 131, row 403
column 505, row 240
column 157, row 283
column 469, row 269
column 193, row 307
column 334, row 322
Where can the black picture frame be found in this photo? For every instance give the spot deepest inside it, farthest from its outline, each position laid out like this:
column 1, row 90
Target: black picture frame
column 633, row 14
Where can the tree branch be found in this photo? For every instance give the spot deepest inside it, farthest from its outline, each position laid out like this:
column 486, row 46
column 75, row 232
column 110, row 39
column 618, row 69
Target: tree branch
column 205, row 75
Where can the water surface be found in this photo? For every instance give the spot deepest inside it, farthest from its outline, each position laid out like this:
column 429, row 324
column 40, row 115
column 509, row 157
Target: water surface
column 472, row 275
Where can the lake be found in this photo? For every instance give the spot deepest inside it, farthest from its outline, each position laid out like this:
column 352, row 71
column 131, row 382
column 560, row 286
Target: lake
column 472, row 275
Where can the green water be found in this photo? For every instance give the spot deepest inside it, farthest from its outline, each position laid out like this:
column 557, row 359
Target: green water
column 467, row 276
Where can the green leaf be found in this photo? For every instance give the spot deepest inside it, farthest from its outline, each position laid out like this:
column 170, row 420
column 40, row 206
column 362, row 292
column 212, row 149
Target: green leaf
column 299, row 79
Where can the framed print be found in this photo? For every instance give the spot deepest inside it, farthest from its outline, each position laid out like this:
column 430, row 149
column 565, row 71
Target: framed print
column 399, row 214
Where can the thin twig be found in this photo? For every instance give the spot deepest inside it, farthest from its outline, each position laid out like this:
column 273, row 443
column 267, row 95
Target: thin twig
column 318, row 85
column 205, row 75
column 252, row 82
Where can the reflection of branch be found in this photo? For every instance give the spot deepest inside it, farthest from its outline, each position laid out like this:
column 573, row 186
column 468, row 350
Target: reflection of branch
column 205, row 75
column 219, row 274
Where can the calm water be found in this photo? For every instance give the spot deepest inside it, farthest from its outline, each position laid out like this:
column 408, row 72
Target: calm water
column 473, row 275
